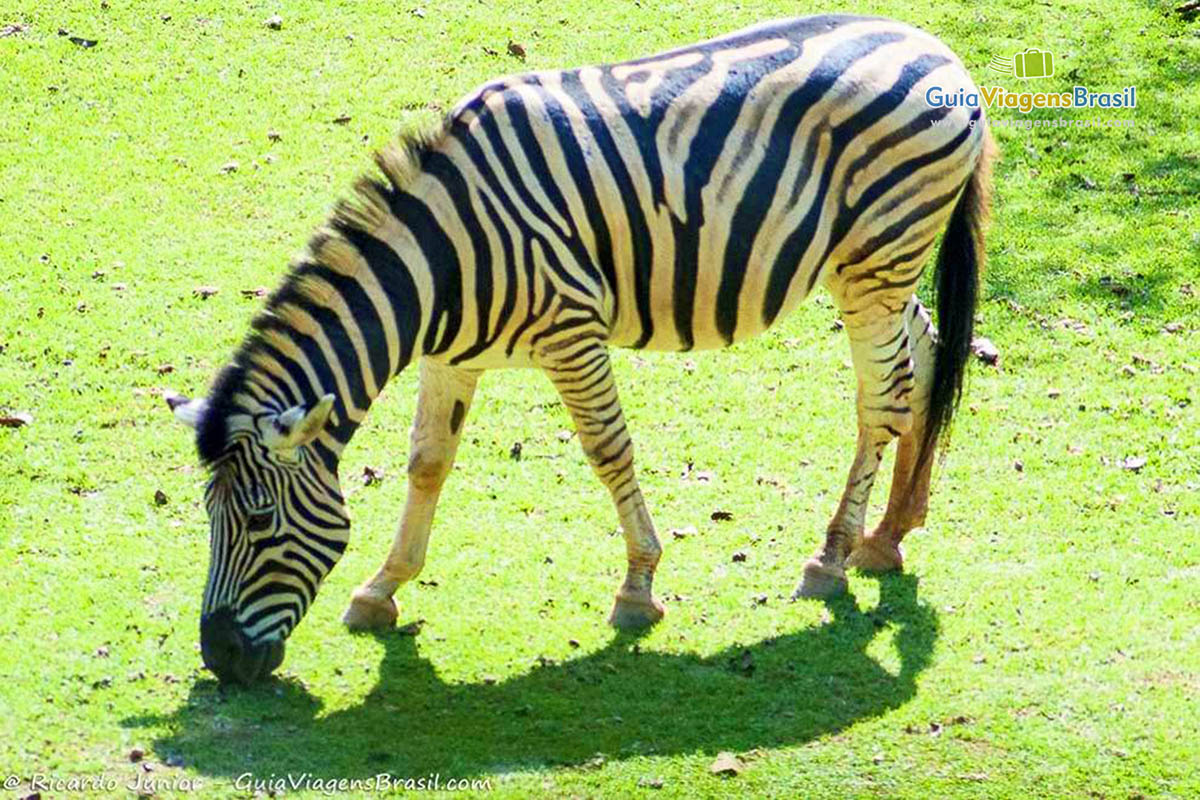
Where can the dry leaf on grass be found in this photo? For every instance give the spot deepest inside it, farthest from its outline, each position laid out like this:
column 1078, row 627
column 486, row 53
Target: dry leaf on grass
column 727, row 764
column 985, row 351
column 18, row 420
column 1134, row 463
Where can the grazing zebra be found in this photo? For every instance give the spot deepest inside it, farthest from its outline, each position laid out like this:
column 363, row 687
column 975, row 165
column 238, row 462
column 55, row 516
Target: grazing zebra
column 682, row 201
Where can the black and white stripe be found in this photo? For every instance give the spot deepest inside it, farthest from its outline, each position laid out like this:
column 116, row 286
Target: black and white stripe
column 682, row 201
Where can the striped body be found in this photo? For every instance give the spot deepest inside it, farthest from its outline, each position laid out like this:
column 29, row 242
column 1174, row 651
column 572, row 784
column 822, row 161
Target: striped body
column 682, row 201
column 693, row 198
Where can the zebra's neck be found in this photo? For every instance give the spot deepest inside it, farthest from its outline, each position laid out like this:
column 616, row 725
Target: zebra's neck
column 379, row 286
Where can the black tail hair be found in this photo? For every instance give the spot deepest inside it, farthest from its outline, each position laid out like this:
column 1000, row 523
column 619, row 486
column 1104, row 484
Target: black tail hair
column 959, row 264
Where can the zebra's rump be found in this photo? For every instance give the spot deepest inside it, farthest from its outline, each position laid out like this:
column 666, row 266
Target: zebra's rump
column 696, row 195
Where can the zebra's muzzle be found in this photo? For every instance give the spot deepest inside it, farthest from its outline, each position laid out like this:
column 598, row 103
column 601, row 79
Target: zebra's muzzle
column 230, row 654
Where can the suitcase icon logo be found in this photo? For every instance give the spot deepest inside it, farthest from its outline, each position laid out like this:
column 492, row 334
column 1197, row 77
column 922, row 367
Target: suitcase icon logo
column 1032, row 63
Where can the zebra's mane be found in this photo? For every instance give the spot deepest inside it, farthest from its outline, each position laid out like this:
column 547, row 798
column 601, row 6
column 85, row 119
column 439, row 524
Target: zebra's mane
column 367, row 209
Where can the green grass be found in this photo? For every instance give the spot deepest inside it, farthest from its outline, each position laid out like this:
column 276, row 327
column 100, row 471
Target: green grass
column 1045, row 641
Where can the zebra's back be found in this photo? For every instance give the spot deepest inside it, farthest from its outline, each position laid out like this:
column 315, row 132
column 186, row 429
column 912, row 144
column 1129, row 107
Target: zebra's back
column 699, row 194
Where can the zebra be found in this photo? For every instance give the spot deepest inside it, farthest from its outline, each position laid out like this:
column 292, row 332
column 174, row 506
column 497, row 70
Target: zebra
column 682, row 201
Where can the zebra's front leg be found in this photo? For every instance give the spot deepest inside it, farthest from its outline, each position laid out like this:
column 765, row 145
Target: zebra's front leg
column 880, row 350
column 442, row 404
column 585, row 382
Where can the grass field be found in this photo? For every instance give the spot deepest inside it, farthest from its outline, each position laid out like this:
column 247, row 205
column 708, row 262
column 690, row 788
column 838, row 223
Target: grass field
column 1044, row 642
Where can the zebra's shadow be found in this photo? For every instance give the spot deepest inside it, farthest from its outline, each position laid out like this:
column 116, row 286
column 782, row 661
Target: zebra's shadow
column 615, row 703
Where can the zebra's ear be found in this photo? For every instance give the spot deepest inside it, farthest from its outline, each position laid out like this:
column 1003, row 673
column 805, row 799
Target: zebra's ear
column 299, row 425
column 189, row 412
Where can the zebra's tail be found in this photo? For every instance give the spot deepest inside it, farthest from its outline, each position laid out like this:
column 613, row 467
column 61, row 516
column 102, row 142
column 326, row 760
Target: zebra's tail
column 959, row 264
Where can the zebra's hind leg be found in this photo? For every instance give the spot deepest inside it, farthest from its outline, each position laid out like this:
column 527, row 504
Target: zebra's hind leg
column 879, row 346
column 442, row 403
column 908, row 498
column 584, row 380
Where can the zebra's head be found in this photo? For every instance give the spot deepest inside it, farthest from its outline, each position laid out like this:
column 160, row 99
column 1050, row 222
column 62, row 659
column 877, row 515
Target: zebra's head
column 277, row 524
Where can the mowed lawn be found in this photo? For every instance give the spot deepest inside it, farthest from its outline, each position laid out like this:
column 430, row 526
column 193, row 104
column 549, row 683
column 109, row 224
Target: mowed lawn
column 1044, row 641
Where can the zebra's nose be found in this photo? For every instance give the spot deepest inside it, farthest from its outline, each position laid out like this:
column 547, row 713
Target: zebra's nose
column 229, row 653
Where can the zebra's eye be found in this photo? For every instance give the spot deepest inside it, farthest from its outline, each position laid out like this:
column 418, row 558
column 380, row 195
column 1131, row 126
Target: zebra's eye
column 260, row 520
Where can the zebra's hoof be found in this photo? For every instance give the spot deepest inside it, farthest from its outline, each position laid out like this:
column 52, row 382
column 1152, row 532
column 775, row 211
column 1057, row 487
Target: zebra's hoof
column 635, row 615
column 876, row 553
column 368, row 612
column 821, row 580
